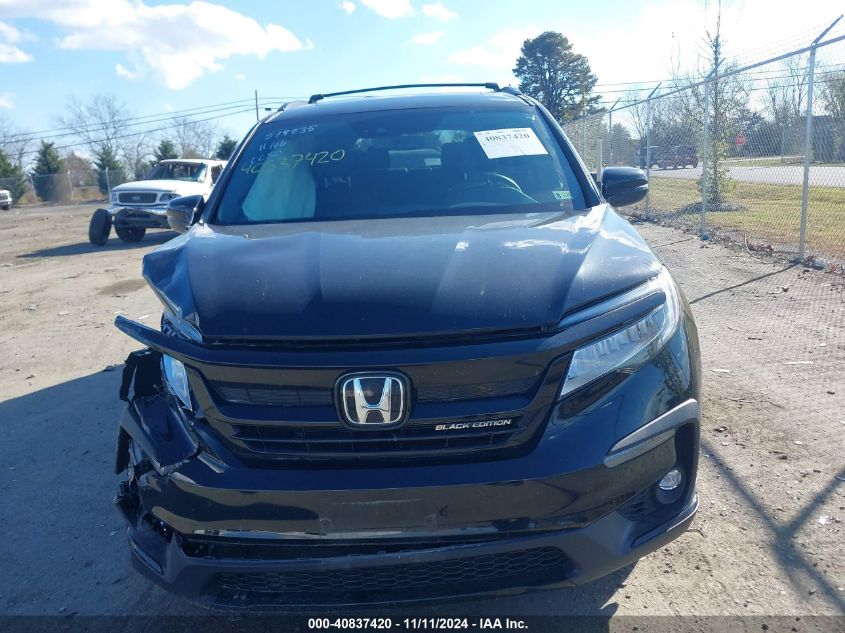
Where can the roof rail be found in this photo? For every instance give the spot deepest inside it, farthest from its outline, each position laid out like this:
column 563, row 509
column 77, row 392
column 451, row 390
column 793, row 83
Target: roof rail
column 296, row 103
column 489, row 86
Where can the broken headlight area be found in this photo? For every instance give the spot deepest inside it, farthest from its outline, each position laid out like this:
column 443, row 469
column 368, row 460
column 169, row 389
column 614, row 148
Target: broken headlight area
column 154, row 421
column 176, row 378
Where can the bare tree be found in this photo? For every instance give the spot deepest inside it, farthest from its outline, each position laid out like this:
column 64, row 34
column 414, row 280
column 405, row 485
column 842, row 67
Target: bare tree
column 137, row 152
column 98, row 123
column 15, row 142
column 196, row 139
column 832, row 93
column 787, row 94
column 638, row 111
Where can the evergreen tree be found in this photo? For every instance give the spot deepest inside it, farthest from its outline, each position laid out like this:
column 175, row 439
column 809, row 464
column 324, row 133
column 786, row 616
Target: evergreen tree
column 225, row 148
column 45, row 176
column 11, row 177
column 166, row 150
column 109, row 170
column 560, row 79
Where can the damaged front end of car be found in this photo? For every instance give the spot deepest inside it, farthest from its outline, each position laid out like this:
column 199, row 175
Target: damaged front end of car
column 154, row 440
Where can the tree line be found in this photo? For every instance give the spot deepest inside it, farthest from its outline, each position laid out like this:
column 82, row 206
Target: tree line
column 112, row 149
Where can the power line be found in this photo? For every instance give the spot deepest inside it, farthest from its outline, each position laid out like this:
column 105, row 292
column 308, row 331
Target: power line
column 146, row 131
column 64, row 131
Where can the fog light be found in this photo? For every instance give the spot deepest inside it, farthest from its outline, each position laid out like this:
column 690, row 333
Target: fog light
column 671, row 480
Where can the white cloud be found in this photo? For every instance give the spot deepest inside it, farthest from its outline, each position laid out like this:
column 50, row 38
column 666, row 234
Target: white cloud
column 499, row 53
column 123, row 71
column 391, row 9
column 438, row 11
column 239, row 77
column 427, row 38
column 348, row 7
column 7, row 100
column 179, row 43
column 9, row 53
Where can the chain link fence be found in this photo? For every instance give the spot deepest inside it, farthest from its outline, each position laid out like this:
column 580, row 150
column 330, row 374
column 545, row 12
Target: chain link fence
column 67, row 187
column 752, row 156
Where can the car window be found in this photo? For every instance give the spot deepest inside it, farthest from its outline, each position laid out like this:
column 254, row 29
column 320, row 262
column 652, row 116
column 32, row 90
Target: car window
column 215, row 173
column 416, row 162
column 194, row 172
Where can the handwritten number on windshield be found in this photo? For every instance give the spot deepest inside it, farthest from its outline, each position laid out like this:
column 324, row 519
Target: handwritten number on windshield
column 284, row 162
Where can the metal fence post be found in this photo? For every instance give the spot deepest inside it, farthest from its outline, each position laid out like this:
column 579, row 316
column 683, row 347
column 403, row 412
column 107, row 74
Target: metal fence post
column 599, row 162
column 648, row 147
column 808, row 143
column 584, row 138
column 705, row 158
column 610, row 132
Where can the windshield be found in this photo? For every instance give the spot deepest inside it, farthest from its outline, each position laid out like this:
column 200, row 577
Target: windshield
column 423, row 162
column 194, row 172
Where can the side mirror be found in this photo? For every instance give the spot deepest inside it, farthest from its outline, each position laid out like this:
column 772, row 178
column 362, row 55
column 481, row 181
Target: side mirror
column 622, row 186
column 182, row 212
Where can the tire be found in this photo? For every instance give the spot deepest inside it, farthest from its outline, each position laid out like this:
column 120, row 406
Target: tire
column 130, row 233
column 6, row 207
column 99, row 227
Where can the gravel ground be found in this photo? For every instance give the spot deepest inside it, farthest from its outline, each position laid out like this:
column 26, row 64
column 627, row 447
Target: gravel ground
column 767, row 541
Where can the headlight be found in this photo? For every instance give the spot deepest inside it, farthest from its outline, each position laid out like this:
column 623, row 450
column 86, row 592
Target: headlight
column 177, row 379
column 167, row 197
column 629, row 348
column 113, row 196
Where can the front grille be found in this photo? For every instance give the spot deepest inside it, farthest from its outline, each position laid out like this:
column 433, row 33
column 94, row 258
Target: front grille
column 339, row 441
column 137, row 197
column 269, row 395
column 286, row 410
column 457, row 576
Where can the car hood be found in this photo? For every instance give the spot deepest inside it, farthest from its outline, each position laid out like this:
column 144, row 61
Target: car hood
column 396, row 277
column 184, row 187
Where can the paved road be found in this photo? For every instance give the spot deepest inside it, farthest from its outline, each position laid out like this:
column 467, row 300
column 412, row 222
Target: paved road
column 821, row 175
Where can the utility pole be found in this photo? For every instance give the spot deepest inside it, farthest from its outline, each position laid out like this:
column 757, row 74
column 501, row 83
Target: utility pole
column 256, row 106
column 808, row 142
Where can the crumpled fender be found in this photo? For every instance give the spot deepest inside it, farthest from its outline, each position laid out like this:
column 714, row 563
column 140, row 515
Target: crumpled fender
column 151, row 418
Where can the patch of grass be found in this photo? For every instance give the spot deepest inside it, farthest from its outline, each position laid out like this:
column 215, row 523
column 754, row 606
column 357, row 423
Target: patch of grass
column 772, row 213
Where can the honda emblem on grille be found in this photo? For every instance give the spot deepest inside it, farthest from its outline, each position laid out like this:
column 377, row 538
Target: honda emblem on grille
column 136, row 198
column 373, row 399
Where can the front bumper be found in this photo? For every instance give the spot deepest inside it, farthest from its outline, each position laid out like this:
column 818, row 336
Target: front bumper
column 154, row 217
column 507, row 565
column 251, row 538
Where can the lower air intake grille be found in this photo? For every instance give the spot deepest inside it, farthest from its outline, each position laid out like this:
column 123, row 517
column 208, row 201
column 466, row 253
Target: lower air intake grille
column 533, row 567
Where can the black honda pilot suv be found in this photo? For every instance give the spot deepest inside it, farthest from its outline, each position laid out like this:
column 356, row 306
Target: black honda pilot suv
column 409, row 351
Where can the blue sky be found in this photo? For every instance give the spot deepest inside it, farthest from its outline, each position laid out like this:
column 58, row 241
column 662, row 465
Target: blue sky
column 161, row 56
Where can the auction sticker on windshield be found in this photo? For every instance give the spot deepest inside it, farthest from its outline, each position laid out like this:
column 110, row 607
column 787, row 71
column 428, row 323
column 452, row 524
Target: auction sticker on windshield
column 516, row 141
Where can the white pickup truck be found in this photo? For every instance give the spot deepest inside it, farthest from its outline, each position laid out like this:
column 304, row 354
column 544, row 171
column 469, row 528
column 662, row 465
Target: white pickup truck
column 141, row 205
column 5, row 199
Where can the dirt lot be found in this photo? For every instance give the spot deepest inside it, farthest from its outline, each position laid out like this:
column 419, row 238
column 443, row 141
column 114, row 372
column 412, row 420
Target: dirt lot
column 769, row 539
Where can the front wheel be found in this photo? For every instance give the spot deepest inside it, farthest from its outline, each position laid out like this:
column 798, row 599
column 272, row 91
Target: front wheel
column 130, row 233
column 99, row 227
